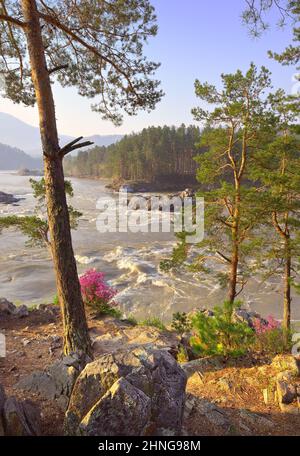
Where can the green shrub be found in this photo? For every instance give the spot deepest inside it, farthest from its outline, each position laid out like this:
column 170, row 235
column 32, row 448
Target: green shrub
column 219, row 334
column 104, row 308
column 181, row 322
column 132, row 320
column 155, row 322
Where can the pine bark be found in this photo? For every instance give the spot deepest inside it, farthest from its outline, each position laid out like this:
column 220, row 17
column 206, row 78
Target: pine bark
column 76, row 337
column 233, row 273
column 287, row 290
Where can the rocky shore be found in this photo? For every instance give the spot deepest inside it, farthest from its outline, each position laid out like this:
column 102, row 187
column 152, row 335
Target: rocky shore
column 7, row 198
column 30, row 172
column 134, row 367
column 150, row 187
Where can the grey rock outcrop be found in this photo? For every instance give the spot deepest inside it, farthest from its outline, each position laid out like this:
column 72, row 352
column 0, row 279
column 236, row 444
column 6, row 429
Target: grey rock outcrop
column 7, row 308
column 123, row 407
column 18, row 418
column 286, row 391
column 215, row 415
column 56, row 382
column 143, row 389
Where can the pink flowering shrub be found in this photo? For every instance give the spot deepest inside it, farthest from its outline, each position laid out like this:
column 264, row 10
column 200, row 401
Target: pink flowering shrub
column 96, row 292
column 262, row 327
column 269, row 336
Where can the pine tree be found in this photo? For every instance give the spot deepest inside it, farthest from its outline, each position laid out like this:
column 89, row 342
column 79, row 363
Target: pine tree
column 234, row 129
column 98, row 48
column 277, row 167
column 255, row 16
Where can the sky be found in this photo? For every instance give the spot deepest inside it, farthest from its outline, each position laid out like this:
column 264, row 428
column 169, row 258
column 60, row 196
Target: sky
column 197, row 39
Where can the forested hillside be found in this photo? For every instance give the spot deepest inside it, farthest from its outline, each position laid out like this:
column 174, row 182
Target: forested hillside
column 154, row 154
column 12, row 158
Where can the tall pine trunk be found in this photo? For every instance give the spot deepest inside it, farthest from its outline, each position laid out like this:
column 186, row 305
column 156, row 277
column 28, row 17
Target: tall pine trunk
column 233, row 272
column 235, row 246
column 76, row 337
column 287, row 289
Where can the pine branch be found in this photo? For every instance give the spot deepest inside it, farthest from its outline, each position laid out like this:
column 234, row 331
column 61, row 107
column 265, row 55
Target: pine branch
column 12, row 20
column 56, row 23
column 57, row 68
column 73, row 146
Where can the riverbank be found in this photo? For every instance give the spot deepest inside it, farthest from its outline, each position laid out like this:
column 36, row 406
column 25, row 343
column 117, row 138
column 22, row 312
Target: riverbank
column 176, row 185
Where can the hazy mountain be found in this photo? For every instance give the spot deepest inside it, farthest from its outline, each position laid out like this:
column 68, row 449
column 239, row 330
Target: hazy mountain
column 12, row 158
column 16, row 133
column 104, row 140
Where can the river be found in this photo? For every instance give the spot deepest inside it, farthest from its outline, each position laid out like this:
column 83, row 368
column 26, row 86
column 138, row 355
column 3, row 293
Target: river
column 130, row 263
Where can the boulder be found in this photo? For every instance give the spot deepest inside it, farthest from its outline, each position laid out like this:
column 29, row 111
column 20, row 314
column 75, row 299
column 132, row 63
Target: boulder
column 55, row 382
column 6, row 307
column 254, row 419
column 215, row 415
column 135, row 337
column 187, row 193
column 123, row 410
column 21, row 311
column 154, row 377
column 286, row 391
column 286, row 363
column 20, row 418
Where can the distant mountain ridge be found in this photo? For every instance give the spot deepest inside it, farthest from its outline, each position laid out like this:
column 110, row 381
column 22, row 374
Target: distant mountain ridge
column 18, row 134
column 12, row 158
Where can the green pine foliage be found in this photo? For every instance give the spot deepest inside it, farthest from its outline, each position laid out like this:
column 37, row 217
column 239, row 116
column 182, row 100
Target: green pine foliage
column 35, row 227
column 154, row 154
column 181, row 322
column 220, row 334
column 288, row 14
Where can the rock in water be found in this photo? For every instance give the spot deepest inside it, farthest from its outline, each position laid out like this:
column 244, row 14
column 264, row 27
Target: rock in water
column 131, row 386
column 7, row 198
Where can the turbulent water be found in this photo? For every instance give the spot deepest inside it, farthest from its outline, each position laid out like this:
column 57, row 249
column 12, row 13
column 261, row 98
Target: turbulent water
column 130, row 262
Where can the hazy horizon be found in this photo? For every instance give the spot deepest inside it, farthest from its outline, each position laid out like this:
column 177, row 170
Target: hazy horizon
column 193, row 41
